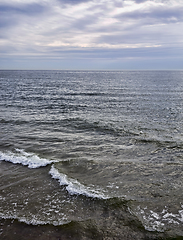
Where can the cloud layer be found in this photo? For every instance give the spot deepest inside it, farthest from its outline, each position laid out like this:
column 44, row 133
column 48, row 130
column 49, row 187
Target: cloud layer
column 91, row 29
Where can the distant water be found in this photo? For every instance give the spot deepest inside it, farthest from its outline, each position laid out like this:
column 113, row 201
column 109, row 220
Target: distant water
column 98, row 153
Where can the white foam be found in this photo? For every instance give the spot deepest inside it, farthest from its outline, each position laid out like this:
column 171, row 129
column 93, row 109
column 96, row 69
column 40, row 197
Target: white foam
column 33, row 220
column 75, row 187
column 27, row 159
column 154, row 221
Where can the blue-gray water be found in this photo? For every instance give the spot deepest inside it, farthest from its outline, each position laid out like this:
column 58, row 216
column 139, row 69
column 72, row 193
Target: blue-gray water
column 97, row 151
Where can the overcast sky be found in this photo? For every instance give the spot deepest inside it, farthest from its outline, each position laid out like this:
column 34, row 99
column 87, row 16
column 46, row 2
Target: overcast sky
column 91, row 34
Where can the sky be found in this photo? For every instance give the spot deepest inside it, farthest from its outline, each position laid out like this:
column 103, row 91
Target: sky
column 91, row 34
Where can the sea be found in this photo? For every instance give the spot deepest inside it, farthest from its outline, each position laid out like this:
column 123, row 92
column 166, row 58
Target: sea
column 91, row 155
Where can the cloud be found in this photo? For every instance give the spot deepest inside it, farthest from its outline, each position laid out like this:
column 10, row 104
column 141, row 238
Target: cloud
column 90, row 29
column 163, row 14
column 73, row 2
column 26, row 9
column 10, row 14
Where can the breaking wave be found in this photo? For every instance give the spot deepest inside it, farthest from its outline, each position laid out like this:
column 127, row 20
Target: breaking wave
column 27, row 159
column 75, row 187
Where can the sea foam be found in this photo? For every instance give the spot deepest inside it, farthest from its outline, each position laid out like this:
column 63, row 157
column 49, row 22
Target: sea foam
column 27, row 159
column 154, row 221
column 75, row 187
column 33, row 220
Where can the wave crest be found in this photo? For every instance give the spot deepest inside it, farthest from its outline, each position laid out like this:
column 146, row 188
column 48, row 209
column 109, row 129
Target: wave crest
column 27, row 159
column 75, row 187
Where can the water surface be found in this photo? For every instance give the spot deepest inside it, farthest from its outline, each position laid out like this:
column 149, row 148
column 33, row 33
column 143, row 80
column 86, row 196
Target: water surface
column 97, row 154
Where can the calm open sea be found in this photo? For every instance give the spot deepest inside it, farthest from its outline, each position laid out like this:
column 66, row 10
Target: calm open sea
column 91, row 154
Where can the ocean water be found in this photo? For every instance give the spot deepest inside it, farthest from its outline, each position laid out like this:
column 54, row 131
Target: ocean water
column 91, row 155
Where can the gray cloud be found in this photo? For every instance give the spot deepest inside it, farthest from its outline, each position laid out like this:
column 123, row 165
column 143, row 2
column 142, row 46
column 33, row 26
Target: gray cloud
column 140, row 1
column 163, row 14
column 91, row 29
column 26, row 9
column 12, row 15
column 73, row 1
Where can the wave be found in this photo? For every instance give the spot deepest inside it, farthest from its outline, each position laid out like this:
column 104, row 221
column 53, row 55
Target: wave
column 12, row 121
column 88, row 94
column 101, row 127
column 27, row 159
column 172, row 142
column 75, row 187
column 33, row 220
column 159, row 221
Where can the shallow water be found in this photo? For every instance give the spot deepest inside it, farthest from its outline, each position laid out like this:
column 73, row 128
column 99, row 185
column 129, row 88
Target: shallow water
column 92, row 154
